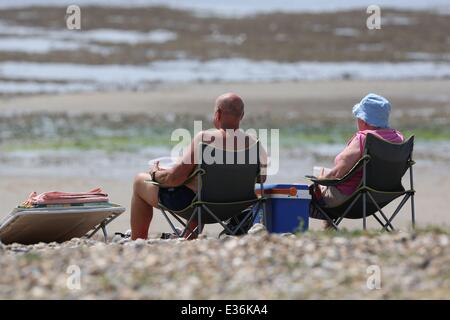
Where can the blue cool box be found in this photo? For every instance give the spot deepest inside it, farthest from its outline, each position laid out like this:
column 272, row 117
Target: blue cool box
column 287, row 207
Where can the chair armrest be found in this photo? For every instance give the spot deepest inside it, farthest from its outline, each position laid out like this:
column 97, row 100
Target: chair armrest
column 153, row 182
column 335, row 182
column 324, row 182
column 193, row 174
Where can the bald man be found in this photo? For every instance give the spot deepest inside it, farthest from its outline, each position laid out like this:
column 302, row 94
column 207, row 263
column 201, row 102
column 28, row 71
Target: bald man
column 176, row 193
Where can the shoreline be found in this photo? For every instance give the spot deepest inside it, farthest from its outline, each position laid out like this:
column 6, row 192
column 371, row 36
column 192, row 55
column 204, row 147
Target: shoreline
column 301, row 96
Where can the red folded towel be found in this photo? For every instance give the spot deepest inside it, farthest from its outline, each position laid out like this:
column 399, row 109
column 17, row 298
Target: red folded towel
column 56, row 197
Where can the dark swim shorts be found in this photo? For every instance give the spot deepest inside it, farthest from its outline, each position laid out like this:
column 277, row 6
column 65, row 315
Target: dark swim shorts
column 176, row 198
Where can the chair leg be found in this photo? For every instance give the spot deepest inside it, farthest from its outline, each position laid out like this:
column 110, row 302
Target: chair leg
column 217, row 219
column 364, row 210
column 104, row 223
column 264, row 213
column 384, row 226
column 192, row 232
column 413, row 214
column 248, row 216
column 378, row 219
column 199, row 222
column 388, row 223
column 105, row 233
column 236, row 220
column 411, row 183
column 170, row 223
column 327, row 217
column 183, row 234
column 400, row 206
column 335, row 223
column 339, row 220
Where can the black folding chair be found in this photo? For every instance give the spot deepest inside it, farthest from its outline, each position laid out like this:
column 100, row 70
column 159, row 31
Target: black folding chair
column 226, row 191
column 383, row 165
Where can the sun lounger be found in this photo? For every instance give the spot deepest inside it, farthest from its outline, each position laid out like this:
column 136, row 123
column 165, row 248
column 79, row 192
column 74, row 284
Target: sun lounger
column 57, row 223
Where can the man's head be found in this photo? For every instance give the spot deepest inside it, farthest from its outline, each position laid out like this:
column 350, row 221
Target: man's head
column 228, row 111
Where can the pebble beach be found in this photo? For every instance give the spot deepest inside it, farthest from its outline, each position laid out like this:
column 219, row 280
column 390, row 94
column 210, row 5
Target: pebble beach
column 313, row 265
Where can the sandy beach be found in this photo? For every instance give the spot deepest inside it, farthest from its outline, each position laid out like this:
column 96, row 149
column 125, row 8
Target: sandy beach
column 310, row 98
column 305, row 101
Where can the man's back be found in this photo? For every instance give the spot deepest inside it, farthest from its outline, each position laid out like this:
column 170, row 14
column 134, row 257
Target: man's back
column 228, row 140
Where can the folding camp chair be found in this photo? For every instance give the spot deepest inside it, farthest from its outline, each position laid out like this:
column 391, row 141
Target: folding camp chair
column 226, row 190
column 383, row 165
column 57, row 223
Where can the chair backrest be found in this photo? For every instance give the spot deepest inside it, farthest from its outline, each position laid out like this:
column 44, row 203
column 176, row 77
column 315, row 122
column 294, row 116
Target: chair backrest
column 388, row 163
column 229, row 176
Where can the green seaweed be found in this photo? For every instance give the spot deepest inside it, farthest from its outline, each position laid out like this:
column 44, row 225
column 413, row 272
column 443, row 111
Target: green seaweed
column 129, row 140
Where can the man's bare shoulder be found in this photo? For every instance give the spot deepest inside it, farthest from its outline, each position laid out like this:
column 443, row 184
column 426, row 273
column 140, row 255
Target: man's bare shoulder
column 222, row 138
column 209, row 136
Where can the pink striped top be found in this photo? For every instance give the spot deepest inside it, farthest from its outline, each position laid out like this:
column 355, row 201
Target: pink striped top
column 390, row 135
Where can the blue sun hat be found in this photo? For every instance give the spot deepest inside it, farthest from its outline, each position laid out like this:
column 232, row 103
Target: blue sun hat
column 374, row 110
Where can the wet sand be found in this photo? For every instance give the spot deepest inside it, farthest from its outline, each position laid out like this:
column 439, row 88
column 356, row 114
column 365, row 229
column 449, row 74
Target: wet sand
column 319, row 98
column 431, row 205
column 331, row 36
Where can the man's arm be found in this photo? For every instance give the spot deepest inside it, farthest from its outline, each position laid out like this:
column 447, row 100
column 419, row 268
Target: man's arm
column 174, row 176
column 263, row 165
column 179, row 173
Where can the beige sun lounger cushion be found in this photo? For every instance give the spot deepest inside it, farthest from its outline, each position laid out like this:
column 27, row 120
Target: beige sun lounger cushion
column 33, row 225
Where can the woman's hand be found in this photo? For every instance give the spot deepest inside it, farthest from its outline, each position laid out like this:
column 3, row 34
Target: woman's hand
column 322, row 174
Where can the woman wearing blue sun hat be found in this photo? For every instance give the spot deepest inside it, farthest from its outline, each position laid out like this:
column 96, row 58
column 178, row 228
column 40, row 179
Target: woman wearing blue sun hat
column 372, row 115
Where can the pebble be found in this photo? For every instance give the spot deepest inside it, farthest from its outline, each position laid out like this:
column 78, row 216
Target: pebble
column 257, row 228
column 310, row 265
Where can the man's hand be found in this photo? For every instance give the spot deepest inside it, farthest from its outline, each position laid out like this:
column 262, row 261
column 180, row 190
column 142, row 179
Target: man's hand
column 154, row 169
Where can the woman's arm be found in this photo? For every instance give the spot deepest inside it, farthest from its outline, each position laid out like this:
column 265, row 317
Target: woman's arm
column 348, row 158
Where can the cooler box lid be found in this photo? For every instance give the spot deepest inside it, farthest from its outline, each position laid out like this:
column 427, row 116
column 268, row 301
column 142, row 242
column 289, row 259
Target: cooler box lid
column 285, row 191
